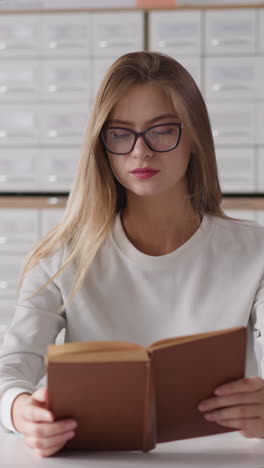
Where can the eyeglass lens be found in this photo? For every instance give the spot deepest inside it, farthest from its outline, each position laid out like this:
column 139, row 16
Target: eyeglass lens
column 159, row 138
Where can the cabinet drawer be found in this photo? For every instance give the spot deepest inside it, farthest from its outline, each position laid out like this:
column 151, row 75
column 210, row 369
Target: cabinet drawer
column 231, row 32
column 63, row 124
column 57, row 168
column 233, row 123
column 260, row 169
column 237, row 169
column 232, row 77
column 175, row 32
column 19, row 80
column 49, row 218
column 10, row 269
column 18, row 169
column 260, row 122
column 65, row 34
column 100, row 67
column 18, row 229
column 260, row 40
column 19, row 35
column 18, row 125
column 115, row 34
column 66, row 79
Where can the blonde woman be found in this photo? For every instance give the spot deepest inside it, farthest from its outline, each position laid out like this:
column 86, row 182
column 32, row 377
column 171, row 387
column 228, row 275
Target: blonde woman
column 144, row 251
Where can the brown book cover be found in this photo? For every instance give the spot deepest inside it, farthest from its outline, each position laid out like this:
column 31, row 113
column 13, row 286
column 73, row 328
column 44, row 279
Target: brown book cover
column 129, row 397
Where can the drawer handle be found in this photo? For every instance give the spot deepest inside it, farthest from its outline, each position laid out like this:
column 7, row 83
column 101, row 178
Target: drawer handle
column 54, row 88
column 179, row 42
column 216, row 42
column 58, row 44
column 105, row 44
column 230, row 133
column 59, row 133
column 15, row 45
column 231, row 87
column 16, row 89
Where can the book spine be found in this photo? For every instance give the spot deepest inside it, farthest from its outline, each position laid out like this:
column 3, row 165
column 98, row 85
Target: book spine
column 149, row 417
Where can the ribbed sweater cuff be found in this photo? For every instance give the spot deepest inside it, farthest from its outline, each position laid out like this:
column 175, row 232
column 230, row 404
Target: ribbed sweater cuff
column 6, row 405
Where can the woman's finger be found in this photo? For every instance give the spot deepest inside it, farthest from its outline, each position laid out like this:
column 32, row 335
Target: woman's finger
column 250, row 384
column 235, row 412
column 46, row 430
column 231, row 400
column 41, row 395
column 36, row 413
column 48, row 443
column 49, row 451
column 253, row 427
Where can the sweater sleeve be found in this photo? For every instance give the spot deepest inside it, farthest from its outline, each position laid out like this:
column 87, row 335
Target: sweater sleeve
column 35, row 324
column 257, row 322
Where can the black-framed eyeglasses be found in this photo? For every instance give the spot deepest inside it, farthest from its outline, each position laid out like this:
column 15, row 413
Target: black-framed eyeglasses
column 159, row 138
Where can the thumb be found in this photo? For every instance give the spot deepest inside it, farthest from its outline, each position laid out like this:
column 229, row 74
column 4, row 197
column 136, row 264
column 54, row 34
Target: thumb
column 41, row 395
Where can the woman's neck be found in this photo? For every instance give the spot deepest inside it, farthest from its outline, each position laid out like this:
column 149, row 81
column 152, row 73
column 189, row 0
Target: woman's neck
column 159, row 232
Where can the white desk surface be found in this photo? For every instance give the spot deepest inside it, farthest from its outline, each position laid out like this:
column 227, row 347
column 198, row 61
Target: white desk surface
column 220, row 451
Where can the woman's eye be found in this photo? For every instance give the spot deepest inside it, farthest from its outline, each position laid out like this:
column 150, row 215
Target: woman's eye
column 117, row 135
column 163, row 131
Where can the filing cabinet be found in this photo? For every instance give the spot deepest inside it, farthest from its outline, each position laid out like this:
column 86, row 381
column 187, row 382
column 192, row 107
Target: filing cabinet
column 18, row 169
column 260, row 122
column 19, row 125
column 176, row 33
column 10, row 268
column 66, row 80
column 117, row 33
column 236, row 78
column 237, row 169
column 65, row 35
column 260, row 39
column 56, row 168
column 19, row 230
column 63, row 124
column 99, row 66
column 230, row 32
column 233, row 123
column 20, row 35
column 19, row 80
column 260, row 169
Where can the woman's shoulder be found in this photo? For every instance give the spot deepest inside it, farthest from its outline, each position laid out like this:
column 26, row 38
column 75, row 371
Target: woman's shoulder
column 241, row 231
column 52, row 262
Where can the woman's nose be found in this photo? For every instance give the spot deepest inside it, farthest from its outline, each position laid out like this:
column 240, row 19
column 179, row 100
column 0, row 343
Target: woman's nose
column 141, row 149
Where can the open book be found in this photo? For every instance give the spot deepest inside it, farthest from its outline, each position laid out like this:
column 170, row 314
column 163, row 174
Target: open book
column 129, row 397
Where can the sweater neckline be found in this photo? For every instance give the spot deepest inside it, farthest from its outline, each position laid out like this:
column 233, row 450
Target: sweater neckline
column 189, row 249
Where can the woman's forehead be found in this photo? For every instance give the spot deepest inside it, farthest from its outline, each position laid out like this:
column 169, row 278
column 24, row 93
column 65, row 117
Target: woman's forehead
column 143, row 102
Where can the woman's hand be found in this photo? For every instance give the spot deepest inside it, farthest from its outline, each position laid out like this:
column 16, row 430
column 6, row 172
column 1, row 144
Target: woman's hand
column 238, row 404
column 37, row 425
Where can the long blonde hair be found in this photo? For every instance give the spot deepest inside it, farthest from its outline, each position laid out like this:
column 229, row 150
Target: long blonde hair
column 96, row 196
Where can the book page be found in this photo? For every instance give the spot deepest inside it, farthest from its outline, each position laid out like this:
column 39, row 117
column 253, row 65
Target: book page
column 183, row 339
column 79, row 351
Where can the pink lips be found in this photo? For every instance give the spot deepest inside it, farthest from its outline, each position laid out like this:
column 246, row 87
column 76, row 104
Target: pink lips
column 145, row 172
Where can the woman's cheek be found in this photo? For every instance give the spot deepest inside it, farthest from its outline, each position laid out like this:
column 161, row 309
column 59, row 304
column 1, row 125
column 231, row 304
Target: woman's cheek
column 119, row 172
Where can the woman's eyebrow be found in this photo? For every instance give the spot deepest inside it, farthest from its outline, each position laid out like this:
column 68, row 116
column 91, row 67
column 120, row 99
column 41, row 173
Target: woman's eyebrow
column 158, row 117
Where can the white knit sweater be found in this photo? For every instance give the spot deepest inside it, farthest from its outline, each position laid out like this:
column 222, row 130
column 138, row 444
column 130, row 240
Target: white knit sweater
column 213, row 281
